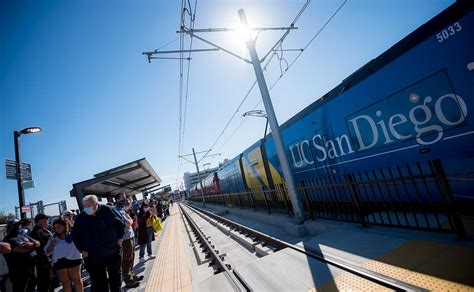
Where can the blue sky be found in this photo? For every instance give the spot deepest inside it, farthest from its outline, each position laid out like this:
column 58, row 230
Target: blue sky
column 75, row 68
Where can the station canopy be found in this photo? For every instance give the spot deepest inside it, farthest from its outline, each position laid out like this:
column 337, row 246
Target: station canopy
column 131, row 178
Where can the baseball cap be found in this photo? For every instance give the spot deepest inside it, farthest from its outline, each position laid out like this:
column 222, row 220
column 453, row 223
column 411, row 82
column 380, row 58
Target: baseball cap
column 40, row 217
column 12, row 222
column 67, row 212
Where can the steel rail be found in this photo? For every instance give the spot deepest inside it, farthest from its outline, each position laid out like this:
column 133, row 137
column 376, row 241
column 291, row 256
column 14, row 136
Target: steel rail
column 280, row 244
column 216, row 259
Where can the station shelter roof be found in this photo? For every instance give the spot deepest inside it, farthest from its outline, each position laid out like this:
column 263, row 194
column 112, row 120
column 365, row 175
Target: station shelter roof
column 130, row 178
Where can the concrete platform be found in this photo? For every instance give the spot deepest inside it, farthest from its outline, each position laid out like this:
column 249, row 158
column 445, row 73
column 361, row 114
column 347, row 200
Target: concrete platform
column 289, row 270
column 434, row 261
column 171, row 271
column 215, row 283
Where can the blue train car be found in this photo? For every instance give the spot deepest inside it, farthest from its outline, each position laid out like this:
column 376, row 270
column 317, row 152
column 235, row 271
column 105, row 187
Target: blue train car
column 412, row 103
column 396, row 135
column 230, row 177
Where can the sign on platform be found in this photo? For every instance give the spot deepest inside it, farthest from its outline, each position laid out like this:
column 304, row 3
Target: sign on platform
column 28, row 184
column 25, row 209
column 25, row 168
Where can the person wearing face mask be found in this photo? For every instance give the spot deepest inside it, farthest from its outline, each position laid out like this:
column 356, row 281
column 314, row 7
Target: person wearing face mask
column 98, row 235
column 146, row 234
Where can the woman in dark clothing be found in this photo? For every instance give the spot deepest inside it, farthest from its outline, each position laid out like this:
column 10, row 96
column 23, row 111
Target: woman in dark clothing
column 145, row 231
column 159, row 209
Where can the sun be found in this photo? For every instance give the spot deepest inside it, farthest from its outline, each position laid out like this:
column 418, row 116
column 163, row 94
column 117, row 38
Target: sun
column 243, row 33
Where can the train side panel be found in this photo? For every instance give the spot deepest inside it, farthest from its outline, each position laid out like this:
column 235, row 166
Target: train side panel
column 418, row 107
column 254, row 168
column 230, row 177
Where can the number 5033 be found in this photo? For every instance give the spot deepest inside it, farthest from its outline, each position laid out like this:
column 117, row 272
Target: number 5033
column 449, row 31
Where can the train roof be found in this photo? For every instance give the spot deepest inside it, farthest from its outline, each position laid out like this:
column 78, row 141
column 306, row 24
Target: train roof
column 456, row 10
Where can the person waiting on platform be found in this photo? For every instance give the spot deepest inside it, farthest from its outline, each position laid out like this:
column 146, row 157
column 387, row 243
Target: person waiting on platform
column 122, row 204
column 66, row 258
column 97, row 234
column 146, row 234
column 166, row 208
column 42, row 261
column 68, row 215
column 5, row 285
column 25, row 226
column 20, row 261
column 159, row 209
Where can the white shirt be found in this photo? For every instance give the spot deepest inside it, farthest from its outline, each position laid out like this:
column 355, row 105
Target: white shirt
column 63, row 249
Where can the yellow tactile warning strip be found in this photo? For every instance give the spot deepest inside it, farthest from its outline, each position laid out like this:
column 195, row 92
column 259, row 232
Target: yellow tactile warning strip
column 427, row 264
column 171, row 270
column 421, row 280
column 350, row 282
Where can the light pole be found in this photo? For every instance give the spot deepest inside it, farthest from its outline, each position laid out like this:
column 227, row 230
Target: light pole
column 16, row 136
column 272, row 120
column 245, row 32
column 196, row 162
column 199, row 177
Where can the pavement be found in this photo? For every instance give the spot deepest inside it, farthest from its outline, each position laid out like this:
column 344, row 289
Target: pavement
column 144, row 269
column 435, row 261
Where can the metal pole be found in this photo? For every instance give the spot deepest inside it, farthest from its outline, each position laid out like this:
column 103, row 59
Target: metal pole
column 21, row 193
column 275, row 128
column 266, row 128
column 199, row 177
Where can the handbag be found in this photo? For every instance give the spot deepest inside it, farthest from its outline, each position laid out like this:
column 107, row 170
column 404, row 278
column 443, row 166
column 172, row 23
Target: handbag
column 156, row 223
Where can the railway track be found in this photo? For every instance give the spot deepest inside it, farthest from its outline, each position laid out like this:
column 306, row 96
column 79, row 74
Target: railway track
column 216, row 259
column 239, row 284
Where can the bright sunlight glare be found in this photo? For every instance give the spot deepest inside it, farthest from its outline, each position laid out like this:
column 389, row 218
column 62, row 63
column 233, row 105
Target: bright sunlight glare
column 243, row 33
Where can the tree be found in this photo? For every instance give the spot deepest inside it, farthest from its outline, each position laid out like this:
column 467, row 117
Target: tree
column 4, row 218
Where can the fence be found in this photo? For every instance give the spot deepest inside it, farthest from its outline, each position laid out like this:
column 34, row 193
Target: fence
column 56, row 208
column 416, row 196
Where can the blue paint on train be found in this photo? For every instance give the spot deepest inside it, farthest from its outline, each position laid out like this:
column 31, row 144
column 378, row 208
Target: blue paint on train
column 415, row 102
column 230, row 177
column 421, row 102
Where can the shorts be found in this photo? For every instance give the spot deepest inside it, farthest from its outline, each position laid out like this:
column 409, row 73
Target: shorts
column 64, row 263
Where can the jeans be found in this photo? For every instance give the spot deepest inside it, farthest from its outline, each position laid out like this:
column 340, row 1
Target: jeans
column 128, row 254
column 149, row 232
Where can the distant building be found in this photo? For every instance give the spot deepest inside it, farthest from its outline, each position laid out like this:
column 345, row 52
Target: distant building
column 191, row 179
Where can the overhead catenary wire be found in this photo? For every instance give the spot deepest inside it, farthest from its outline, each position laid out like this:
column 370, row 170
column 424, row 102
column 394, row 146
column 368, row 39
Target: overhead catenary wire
column 309, row 43
column 236, row 129
column 249, row 91
column 181, row 41
column 279, row 42
column 167, row 44
column 182, row 118
column 193, row 17
column 288, row 66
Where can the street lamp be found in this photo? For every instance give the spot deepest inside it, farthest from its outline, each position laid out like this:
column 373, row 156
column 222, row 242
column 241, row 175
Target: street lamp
column 260, row 114
column 16, row 136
